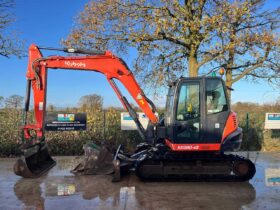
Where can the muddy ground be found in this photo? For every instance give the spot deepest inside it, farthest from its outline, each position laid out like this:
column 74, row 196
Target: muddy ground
column 98, row 192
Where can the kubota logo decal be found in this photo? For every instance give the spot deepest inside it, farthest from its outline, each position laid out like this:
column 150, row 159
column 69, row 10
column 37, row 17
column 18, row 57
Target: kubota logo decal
column 75, row 64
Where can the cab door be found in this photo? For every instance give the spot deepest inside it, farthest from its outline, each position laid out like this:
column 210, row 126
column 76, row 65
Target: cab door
column 217, row 109
column 197, row 110
column 188, row 109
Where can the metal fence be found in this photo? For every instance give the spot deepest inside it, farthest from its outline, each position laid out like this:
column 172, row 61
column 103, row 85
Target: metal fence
column 104, row 126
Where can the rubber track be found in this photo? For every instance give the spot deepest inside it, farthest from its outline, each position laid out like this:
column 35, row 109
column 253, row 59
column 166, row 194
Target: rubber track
column 199, row 177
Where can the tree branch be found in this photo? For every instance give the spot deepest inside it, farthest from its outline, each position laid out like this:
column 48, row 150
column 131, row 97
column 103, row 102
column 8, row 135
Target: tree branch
column 257, row 65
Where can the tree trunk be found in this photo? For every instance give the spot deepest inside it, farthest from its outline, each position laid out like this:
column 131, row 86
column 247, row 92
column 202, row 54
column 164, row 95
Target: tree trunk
column 230, row 62
column 193, row 66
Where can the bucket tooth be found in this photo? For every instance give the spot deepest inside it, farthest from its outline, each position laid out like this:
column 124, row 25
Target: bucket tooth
column 34, row 164
column 117, row 173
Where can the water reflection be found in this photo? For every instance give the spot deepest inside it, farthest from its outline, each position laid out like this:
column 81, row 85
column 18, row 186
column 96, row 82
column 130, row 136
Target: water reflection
column 29, row 192
column 195, row 195
column 130, row 193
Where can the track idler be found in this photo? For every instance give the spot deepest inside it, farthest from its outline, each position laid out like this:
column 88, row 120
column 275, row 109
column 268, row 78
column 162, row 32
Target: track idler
column 34, row 162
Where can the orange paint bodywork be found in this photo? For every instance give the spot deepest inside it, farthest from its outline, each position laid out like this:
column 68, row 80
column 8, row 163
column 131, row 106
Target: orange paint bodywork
column 108, row 64
column 231, row 125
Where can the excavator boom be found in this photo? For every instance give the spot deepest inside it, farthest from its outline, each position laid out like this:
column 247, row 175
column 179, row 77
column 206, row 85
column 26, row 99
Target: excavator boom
column 108, row 64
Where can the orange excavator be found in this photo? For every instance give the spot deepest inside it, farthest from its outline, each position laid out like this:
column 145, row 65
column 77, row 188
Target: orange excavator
column 189, row 143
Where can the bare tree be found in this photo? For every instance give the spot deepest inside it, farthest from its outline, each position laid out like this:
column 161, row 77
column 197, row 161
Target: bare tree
column 92, row 101
column 248, row 37
column 14, row 102
column 1, row 101
column 174, row 38
column 51, row 108
column 10, row 44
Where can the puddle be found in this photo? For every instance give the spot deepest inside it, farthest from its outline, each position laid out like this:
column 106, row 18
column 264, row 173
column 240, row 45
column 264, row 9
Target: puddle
column 60, row 189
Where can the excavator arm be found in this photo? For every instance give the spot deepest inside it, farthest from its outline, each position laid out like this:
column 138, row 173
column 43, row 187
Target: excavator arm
column 103, row 62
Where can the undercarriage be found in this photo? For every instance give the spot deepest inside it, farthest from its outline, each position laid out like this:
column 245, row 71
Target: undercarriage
column 158, row 162
column 150, row 163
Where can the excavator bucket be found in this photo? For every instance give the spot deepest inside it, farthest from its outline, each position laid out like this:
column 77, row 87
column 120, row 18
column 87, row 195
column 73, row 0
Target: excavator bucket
column 35, row 162
column 97, row 161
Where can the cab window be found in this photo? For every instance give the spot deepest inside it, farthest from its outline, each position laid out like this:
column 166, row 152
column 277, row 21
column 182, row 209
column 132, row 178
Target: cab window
column 215, row 96
column 188, row 102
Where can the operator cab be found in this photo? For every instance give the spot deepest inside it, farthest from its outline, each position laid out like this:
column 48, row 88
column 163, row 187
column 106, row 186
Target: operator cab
column 197, row 110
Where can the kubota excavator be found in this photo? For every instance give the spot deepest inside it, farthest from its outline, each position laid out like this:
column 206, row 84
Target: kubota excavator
column 188, row 144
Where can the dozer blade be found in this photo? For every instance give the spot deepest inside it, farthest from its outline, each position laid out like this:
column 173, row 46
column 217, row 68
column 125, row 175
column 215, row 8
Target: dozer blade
column 97, row 161
column 35, row 162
